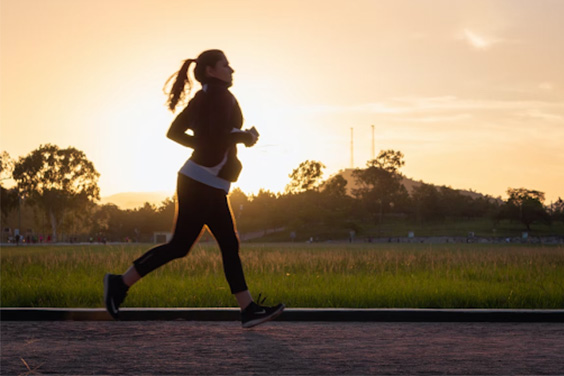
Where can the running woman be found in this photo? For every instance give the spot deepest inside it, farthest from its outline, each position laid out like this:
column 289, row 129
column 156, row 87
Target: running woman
column 215, row 119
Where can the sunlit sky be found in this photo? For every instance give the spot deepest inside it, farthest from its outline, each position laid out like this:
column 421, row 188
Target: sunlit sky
column 472, row 92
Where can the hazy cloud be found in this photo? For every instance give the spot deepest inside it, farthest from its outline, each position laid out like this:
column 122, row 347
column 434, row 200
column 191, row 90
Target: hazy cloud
column 479, row 40
column 435, row 118
column 546, row 86
column 536, row 114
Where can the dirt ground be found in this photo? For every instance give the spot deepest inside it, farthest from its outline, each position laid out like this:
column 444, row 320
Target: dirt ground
column 286, row 348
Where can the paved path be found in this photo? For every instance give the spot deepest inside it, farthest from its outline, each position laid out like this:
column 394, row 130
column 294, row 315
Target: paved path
column 287, row 348
column 290, row 314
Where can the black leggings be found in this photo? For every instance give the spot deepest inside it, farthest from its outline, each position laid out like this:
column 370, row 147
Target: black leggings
column 199, row 205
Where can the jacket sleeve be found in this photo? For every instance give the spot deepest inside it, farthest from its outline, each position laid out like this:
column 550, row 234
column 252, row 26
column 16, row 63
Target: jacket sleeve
column 242, row 137
column 178, row 128
column 226, row 117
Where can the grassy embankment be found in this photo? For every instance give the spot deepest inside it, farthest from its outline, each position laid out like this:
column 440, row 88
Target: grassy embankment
column 301, row 275
column 397, row 227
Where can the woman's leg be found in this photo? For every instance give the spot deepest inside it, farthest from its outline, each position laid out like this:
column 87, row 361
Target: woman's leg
column 222, row 226
column 192, row 207
column 186, row 234
column 190, row 218
column 244, row 299
column 130, row 277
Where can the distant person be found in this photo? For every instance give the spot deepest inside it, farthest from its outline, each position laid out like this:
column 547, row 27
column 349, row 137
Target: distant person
column 215, row 118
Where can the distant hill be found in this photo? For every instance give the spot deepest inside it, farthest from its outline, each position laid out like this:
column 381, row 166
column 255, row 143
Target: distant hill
column 133, row 200
column 408, row 183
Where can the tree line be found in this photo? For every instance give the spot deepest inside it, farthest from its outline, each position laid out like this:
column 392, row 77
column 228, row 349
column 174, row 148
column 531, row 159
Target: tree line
column 55, row 192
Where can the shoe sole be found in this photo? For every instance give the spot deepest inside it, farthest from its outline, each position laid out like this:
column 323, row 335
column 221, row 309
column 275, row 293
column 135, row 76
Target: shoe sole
column 253, row 323
column 108, row 304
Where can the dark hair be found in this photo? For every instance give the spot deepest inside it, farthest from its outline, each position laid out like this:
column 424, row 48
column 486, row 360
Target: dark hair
column 182, row 83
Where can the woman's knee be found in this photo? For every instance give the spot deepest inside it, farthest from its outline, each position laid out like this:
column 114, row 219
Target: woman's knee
column 178, row 248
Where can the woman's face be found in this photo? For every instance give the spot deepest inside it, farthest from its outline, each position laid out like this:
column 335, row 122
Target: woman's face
column 221, row 71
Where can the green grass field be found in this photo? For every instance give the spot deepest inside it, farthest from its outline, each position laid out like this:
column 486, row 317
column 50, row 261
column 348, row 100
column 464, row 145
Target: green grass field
column 301, row 275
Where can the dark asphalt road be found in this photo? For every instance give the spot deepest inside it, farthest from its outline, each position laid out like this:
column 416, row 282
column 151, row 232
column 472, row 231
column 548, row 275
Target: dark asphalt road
column 287, row 348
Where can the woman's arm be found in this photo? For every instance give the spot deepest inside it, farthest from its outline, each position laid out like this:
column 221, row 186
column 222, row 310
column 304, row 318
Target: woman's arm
column 226, row 120
column 247, row 137
column 178, row 128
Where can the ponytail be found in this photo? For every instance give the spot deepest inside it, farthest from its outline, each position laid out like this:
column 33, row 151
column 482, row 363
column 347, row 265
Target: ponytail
column 181, row 85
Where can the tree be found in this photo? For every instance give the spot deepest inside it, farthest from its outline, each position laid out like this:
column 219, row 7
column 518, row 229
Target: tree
column 388, row 160
column 8, row 200
column 526, row 206
column 380, row 183
column 336, row 186
column 307, row 176
column 8, row 196
column 261, row 212
column 238, row 201
column 427, row 202
column 557, row 210
column 6, row 167
column 335, row 206
column 106, row 221
column 166, row 212
column 57, row 181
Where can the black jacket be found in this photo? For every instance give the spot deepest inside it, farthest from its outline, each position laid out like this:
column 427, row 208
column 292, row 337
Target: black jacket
column 212, row 115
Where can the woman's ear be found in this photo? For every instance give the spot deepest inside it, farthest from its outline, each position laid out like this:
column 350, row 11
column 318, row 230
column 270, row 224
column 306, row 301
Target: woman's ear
column 209, row 71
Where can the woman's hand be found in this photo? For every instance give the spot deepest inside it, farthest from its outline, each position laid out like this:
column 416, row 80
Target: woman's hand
column 254, row 136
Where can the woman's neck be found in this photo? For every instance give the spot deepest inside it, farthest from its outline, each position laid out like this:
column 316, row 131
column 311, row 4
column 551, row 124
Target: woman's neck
column 216, row 81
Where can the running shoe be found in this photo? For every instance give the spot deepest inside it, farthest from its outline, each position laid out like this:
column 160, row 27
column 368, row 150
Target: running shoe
column 256, row 314
column 115, row 292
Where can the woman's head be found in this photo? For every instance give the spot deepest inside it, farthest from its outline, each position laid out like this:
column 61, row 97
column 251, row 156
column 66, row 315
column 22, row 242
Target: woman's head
column 210, row 64
column 213, row 63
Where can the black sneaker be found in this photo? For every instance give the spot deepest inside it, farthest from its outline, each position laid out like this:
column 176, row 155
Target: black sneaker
column 256, row 314
column 115, row 292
